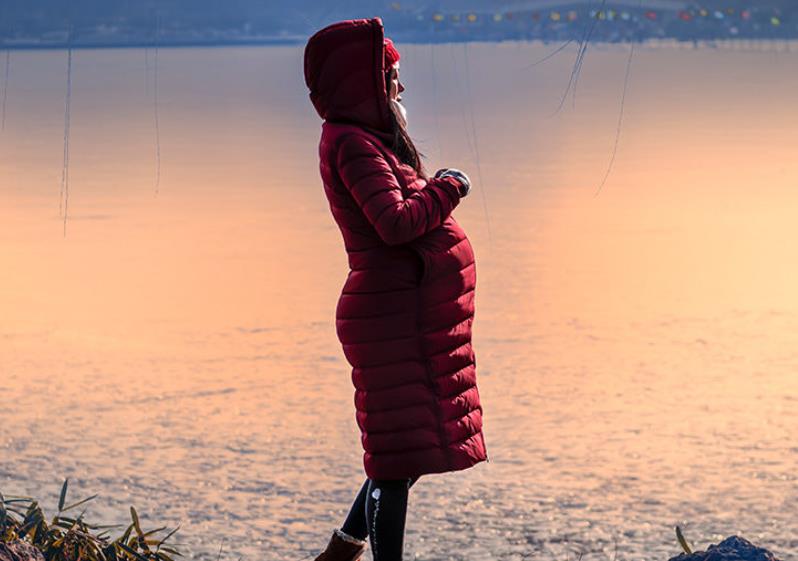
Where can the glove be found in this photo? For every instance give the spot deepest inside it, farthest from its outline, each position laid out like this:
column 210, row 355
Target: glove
column 465, row 182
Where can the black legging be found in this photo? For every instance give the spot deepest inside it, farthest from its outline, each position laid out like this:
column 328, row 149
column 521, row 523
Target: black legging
column 379, row 512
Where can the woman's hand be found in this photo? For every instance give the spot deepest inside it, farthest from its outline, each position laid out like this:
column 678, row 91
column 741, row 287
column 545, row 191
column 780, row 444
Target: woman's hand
column 369, row 178
column 464, row 180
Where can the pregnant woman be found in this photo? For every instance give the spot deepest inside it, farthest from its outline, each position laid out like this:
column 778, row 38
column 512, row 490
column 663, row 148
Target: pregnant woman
column 406, row 309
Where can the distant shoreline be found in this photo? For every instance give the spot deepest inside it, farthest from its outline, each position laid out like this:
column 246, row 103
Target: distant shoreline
column 61, row 45
column 547, row 21
column 298, row 41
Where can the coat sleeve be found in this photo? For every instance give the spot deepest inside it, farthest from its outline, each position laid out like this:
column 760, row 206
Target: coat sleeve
column 374, row 187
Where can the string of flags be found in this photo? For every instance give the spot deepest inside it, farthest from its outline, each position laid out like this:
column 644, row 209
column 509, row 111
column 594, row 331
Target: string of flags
column 773, row 16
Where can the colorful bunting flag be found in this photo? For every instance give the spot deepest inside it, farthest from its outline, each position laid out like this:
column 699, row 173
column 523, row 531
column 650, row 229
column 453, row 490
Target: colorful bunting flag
column 686, row 15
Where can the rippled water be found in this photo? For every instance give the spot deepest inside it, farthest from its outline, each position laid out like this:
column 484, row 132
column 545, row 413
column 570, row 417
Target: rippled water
column 636, row 350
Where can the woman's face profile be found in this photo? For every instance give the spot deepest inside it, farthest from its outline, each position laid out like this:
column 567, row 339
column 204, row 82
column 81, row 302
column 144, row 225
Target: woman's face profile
column 395, row 87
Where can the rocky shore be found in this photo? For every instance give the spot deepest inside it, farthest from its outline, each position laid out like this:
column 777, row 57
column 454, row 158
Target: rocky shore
column 733, row 548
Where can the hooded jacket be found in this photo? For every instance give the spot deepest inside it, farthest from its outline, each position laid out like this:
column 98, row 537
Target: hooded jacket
column 406, row 309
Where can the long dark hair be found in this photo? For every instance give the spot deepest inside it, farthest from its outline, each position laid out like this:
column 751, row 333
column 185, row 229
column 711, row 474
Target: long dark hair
column 402, row 144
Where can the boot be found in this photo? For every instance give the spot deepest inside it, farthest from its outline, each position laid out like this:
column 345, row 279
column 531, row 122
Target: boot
column 342, row 547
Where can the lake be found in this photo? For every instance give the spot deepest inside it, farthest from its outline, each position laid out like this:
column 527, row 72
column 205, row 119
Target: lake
column 172, row 345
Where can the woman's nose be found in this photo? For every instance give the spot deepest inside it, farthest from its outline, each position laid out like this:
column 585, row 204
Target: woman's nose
column 401, row 87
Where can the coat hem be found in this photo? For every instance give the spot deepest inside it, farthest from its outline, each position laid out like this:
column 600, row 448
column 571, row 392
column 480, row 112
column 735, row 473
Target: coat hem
column 388, row 474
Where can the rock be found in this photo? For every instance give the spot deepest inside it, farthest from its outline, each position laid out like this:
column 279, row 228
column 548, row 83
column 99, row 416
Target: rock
column 19, row 550
column 733, row 548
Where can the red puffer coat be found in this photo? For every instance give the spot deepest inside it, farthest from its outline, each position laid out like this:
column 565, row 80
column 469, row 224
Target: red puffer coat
column 405, row 313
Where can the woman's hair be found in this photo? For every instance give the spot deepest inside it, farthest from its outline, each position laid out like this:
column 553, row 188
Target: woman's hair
column 402, row 144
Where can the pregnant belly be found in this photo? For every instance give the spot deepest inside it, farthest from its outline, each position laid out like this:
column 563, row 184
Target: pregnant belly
column 444, row 251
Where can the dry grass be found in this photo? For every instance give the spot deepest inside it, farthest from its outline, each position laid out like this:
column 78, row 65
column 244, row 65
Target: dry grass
column 67, row 538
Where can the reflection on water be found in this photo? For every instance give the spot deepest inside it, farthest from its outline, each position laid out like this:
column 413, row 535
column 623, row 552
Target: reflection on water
column 636, row 350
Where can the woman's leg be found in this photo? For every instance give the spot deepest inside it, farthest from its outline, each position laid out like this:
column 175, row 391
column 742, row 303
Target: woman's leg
column 386, row 511
column 355, row 524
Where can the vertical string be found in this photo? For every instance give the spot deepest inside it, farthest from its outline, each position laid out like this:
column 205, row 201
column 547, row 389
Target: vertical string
column 620, row 118
column 460, row 94
column 155, row 107
column 5, row 86
column 584, row 41
column 435, row 101
column 64, row 196
column 586, row 45
column 550, row 55
column 476, row 142
column 621, row 112
column 146, row 72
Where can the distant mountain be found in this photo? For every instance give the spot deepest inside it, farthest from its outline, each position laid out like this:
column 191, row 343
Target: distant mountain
column 57, row 23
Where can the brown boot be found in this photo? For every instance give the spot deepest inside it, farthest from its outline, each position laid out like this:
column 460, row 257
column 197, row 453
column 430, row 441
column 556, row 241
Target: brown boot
column 341, row 549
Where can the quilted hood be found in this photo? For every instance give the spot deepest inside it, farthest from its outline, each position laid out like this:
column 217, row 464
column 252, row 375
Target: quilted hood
column 344, row 70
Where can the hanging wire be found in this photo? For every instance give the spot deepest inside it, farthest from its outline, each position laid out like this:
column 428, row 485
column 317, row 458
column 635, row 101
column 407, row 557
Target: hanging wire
column 155, row 107
column 550, row 55
column 435, row 101
column 585, row 31
column 5, row 86
column 620, row 113
column 64, row 196
column 459, row 88
column 620, row 118
column 599, row 12
column 146, row 72
column 472, row 145
column 584, row 41
column 469, row 100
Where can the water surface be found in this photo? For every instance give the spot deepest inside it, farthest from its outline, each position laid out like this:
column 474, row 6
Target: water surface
column 636, row 350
